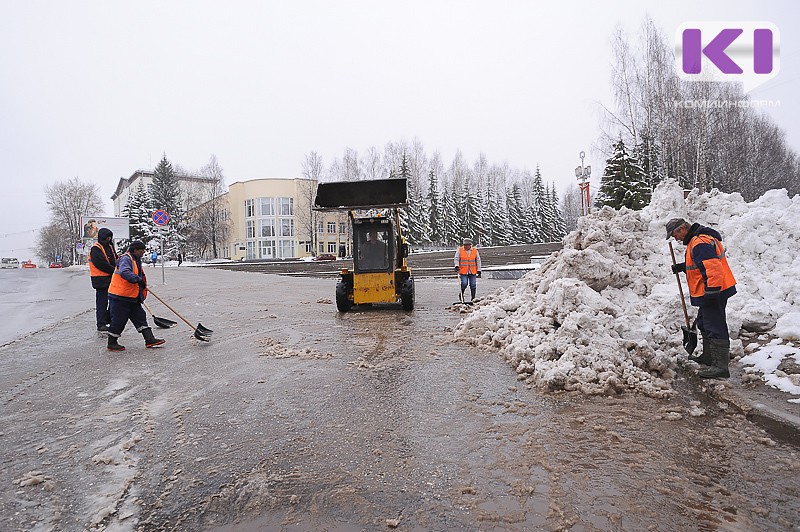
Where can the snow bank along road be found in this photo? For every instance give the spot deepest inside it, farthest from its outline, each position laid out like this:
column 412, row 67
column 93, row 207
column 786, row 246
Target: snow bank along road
column 295, row 417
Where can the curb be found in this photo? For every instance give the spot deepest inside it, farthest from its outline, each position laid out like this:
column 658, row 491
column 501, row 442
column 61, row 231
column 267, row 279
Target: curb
column 778, row 423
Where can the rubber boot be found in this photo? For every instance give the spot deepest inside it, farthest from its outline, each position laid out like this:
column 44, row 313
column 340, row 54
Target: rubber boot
column 149, row 339
column 705, row 357
column 113, row 345
column 472, row 294
column 461, row 295
column 720, row 355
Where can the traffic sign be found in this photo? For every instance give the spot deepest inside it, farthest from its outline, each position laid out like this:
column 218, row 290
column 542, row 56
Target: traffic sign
column 160, row 217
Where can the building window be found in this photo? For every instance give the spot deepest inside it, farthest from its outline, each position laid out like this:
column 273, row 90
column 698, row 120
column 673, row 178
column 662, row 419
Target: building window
column 251, row 250
column 249, row 210
column 321, row 247
column 250, row 228
column 266, row 206
column 332, row 247
column 309, row 247
column 320, row 227
column 332, row 228
column 287, row 227
column 266, row 228
column 342, row 228
column 286, row 250
column 286, row 206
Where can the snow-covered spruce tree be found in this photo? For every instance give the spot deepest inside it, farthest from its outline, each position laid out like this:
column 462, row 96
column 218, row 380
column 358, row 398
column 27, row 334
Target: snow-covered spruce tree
column 498, row 217
column 166, row 195
column 432, row 202
column 472, row 216
column 623, row 183
column 138, row 211
column 539, row 207
column 516, row 215
column 559, row 223
column 407, row 227
column 452, row 215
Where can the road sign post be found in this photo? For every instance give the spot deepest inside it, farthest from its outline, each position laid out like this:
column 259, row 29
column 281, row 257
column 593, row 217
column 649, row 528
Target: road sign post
column 161, row 219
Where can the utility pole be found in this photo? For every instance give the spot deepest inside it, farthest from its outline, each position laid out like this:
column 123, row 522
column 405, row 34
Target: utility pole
column 584, row 175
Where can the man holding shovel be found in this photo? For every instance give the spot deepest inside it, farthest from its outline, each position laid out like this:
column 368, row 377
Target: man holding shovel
column 711, row 283
column 467, row 263
column 126, row 294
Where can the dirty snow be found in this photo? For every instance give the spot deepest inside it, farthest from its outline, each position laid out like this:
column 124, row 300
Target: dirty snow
column 603, row 315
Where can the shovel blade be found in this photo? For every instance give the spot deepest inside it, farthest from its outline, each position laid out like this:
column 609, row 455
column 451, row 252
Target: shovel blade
column 689, row 339
column 203, row 331
column 201, row 337
column 164, row 323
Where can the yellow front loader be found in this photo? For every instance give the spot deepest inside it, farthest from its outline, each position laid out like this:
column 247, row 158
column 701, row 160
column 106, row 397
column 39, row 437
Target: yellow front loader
column 380, row 273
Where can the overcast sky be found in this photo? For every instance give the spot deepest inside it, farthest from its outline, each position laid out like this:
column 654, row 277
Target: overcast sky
column 98, row 89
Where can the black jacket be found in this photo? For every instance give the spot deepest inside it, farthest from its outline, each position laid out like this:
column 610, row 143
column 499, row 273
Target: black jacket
column 99, row 260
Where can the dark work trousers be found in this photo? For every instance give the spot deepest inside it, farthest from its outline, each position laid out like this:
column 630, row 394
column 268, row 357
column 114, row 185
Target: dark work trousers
column 468, row 278
column 711, row 319
column 121, row 312
column 101, row 311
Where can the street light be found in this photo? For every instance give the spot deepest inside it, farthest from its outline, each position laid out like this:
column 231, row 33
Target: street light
column 584, row 175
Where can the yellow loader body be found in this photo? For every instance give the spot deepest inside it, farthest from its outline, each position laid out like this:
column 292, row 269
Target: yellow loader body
column 374, row 288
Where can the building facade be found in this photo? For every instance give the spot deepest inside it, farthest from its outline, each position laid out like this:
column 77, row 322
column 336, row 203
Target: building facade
column 271, row 218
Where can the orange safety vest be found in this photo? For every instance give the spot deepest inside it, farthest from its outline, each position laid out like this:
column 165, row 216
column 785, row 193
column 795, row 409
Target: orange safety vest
column 467, row 261
column 121, row 287
column 94, row 271
column 714, row 272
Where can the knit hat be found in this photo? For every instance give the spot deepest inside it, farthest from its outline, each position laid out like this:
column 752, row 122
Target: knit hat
column 103, row 234
column 136, row 244
column 674, row 224
column 467, row 241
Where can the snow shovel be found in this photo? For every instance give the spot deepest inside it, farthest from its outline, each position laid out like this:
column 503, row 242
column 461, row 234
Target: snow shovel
column 200, row 332
column 689, row 332
column 161, row 323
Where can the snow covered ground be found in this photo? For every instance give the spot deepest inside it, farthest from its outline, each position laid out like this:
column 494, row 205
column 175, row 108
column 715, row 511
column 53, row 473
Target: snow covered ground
column 603, row 314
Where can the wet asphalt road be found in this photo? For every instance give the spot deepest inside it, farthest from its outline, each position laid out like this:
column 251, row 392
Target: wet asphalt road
column 296, row 417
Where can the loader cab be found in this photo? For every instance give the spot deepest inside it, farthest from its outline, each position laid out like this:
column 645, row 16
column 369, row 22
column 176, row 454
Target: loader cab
column 374, row 246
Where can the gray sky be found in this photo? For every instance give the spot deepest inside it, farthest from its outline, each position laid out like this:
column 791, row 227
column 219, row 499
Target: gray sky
column 98, row 89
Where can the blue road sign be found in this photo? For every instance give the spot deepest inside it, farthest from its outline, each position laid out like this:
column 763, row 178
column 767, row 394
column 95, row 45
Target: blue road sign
column 160, row 217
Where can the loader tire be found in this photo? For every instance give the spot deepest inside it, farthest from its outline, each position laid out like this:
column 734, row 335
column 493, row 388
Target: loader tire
column 342, row 302
column 407, row 294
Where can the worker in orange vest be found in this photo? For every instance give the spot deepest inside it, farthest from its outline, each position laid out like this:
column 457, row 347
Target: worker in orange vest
column 102, row 261
column 126, row 294
column 711, row 283
column 467, row 263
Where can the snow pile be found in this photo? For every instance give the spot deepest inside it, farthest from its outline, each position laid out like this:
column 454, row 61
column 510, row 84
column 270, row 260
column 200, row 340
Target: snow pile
column 603, row 314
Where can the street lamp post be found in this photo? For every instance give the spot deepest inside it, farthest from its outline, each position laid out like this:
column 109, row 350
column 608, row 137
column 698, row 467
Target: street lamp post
column 584, row 175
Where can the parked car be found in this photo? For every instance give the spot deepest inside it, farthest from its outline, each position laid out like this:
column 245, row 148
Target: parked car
column 325, row 256
column 28, row 264
column 9, row 262
column 56, row 265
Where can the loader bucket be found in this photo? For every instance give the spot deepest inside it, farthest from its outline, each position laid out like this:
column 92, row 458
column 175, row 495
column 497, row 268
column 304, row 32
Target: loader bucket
column 372, row 194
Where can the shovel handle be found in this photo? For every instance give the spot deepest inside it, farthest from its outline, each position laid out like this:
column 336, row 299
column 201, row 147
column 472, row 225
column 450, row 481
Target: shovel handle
column 181, row 317
column 148, row 309
column 680, row 286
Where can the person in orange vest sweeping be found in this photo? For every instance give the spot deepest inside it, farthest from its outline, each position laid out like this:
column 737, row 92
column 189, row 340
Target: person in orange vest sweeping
column 102, row 261
column 126, row 293
column 468, row 265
